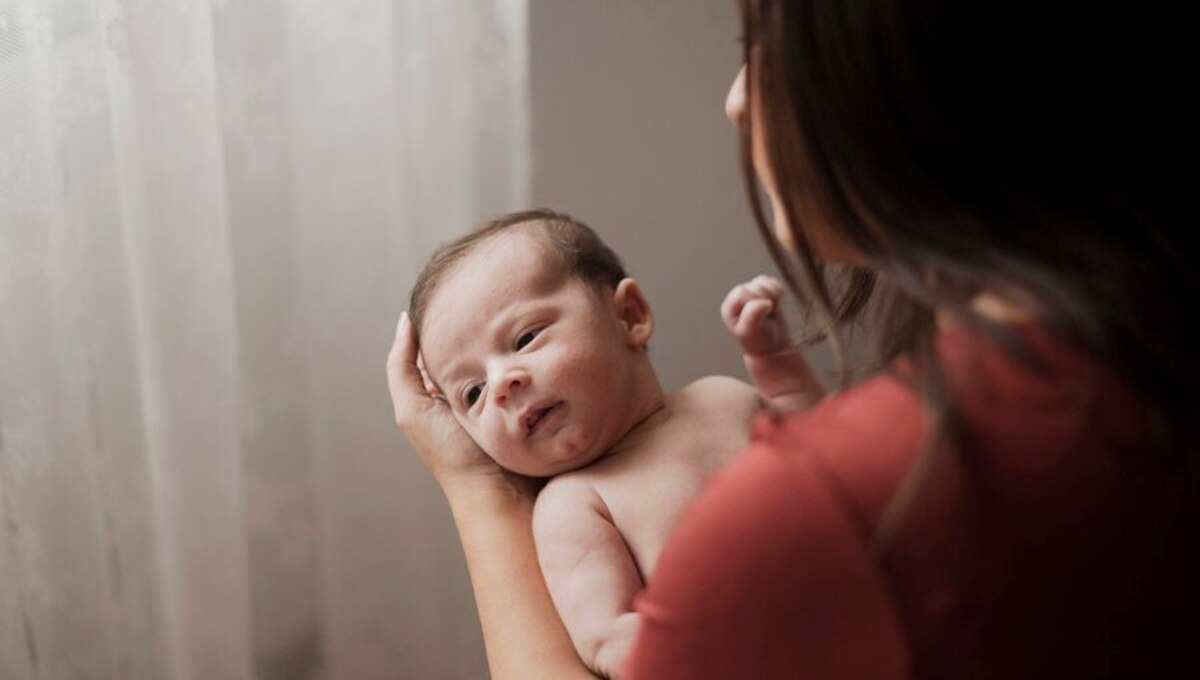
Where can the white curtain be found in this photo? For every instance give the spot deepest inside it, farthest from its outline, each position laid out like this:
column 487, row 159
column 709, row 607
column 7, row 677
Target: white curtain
column 211, row 212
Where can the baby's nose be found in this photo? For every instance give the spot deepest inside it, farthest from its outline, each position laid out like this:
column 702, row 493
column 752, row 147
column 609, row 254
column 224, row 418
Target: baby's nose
column 508, row 385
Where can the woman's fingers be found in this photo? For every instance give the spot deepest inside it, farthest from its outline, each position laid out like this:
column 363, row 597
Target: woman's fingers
column 405, row 382
column 430, row 388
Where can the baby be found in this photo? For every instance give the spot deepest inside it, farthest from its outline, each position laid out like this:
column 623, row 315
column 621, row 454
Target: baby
column 534, row 336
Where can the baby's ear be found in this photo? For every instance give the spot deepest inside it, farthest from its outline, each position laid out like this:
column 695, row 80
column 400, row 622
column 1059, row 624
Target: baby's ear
column 633, row 312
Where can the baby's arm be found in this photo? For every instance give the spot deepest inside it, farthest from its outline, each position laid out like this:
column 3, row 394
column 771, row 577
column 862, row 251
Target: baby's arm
column 589, row 571
column 753, row 314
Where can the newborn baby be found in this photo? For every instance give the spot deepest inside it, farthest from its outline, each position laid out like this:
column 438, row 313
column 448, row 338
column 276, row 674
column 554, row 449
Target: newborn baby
column 532, row 333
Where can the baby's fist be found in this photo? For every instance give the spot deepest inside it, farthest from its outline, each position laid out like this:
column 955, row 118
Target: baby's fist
column 752, row 313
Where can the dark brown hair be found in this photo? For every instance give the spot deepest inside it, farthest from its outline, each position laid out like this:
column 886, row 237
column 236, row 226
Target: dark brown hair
column 577, row 250
column 962, row 147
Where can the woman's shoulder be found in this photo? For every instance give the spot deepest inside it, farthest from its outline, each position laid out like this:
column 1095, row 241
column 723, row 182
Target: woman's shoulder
column 858, row 442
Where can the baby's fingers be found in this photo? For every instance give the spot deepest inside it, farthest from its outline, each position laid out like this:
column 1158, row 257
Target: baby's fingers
column 766, row 286
column 759, row 288
column 753, row 314
column 731, row 306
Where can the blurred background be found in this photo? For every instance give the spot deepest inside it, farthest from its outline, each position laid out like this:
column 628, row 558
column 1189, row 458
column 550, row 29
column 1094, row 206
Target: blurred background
column 210, row 216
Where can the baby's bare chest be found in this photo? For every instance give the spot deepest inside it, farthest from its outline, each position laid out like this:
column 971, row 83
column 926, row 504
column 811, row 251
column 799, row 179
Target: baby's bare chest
column 651, row 487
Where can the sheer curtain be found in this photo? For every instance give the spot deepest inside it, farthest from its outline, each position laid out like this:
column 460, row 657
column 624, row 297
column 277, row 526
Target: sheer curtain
column 210, row 215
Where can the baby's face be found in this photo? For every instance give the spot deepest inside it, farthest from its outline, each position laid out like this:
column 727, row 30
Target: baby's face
column 537, row 369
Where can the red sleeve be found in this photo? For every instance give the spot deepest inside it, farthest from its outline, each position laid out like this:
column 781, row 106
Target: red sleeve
column 767, row 577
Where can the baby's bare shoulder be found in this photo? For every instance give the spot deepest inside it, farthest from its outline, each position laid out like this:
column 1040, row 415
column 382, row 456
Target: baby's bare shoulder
column 720, row 393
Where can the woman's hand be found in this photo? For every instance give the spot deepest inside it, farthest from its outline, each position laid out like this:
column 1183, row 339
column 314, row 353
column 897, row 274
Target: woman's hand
column 425, row 419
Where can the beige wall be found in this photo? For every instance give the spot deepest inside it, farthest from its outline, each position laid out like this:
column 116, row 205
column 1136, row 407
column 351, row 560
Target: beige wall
column 630, row 135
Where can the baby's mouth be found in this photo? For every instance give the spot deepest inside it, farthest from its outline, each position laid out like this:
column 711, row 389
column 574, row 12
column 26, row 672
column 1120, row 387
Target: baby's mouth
column 537, row 416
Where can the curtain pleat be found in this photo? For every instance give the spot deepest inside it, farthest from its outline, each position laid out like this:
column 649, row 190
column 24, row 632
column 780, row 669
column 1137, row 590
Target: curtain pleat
column 210, row 216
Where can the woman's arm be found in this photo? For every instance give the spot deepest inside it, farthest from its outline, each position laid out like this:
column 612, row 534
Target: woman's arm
column 521, row 630
column 493, row 511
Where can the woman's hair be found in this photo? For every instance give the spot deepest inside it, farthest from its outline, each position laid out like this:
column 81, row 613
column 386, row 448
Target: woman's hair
column 574, row 249
column 1019, row 148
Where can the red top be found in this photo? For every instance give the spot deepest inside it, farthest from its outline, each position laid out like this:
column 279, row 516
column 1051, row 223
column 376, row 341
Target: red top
column 1045, row 546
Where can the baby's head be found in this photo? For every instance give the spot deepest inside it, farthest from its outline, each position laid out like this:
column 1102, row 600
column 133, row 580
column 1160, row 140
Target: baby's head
column 536, row 338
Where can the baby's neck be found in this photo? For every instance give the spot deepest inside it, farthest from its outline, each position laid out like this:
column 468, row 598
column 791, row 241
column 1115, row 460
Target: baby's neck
column 650, row 414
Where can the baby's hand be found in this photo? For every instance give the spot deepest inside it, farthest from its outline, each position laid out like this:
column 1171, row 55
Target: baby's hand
column 753, row 314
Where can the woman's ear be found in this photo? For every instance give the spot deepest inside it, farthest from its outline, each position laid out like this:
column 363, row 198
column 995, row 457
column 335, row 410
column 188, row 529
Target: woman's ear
column 634, row 312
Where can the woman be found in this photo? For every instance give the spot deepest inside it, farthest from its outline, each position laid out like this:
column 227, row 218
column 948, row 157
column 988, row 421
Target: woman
column 1011, row 491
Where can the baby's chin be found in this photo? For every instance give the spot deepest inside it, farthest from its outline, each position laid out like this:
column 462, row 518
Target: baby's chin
column 549, row 468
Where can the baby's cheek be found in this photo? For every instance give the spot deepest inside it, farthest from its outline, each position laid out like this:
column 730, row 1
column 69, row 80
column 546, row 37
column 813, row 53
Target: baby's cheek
column 587, row 370
column 479, row 434
column 485, row 433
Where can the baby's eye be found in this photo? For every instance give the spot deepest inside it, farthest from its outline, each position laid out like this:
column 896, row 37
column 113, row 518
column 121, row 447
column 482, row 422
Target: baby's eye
column 472, row 394
column 527, row 337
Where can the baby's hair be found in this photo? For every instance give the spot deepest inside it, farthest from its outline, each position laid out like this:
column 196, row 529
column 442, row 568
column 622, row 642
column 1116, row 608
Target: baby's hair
column 577, row 251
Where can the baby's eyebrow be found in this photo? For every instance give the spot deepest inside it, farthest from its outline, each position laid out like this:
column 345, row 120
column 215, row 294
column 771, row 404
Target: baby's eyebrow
column 448, row 378
column 454, row 371
column 450, row 373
